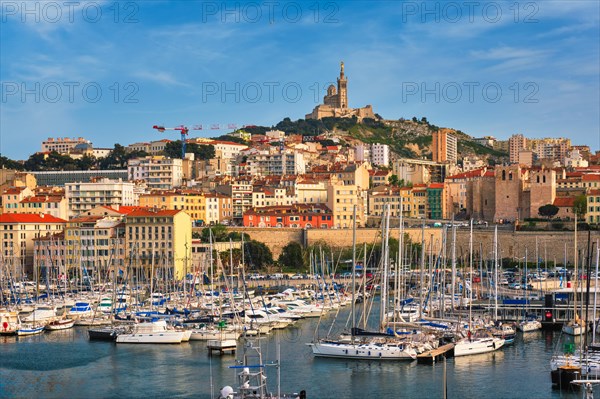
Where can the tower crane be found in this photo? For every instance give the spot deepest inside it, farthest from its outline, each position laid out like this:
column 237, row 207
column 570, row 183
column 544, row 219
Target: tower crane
column 184, row 130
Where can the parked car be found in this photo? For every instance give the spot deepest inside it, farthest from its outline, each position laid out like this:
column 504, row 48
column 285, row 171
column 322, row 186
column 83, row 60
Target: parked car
column 256, row 276
column 514, row 286
column 298, row 277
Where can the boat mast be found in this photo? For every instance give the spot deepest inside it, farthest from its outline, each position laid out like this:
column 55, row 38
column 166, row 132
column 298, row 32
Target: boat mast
column 471, row 272
column 576, row 273
column 354, row 273
column 595, row 292
column 454, row 264
column 421, row 285
column 364, row 298
column 495, row 271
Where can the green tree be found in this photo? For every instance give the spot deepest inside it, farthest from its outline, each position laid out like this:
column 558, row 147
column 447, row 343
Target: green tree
column 118, row 158
column 173, row 150
column 580, row 206
column 393, row 180
column 292, row 257
column 86, row 162
column 257, row 255
column 6, row 163
column 548, row 211
column 219, row 233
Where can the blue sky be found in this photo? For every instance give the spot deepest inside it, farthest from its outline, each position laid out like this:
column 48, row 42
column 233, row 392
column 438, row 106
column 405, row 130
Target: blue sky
column 486, row 68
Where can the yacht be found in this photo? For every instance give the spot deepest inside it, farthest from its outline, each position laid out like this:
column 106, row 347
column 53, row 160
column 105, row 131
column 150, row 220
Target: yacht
column 151, row 333
column 480, row 342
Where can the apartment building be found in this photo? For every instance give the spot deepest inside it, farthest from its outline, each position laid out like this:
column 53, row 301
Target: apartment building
column 593, row 203
column 516, row 143
column 95, row 246
column 82, row 197
column 162, row 238
column 159, row 172
column 304, row 216
column 17, row 232
column 444, row 146
column 341, row 199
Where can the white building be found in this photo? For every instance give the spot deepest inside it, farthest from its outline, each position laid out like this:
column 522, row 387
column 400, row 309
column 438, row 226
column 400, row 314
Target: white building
column 380, row 154
column 153, row 147
column 362, row 152
column 275, row 135
column 472, row 163
column 159, row 172
column 62, row 145
column 83, row 197
column 227, row 149
column 276, row 163
column 575, row 160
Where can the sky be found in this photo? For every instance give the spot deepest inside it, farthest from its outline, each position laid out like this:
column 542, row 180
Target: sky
column 108, row 71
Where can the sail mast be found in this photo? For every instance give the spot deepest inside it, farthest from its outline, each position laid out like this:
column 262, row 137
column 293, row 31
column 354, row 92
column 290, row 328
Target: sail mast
column 354, row 272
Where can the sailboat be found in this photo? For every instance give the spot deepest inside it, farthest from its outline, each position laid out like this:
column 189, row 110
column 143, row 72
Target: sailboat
column 574, row 327
column 481, row 341
column 370, row 347
column 527, row 324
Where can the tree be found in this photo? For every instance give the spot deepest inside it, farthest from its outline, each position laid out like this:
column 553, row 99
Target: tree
column 173, row 150
column 219, row 233
column 580, row 206
column 292, row 257
column 393, row 180
column 118, row 158
column 257, row 254
column 10, row 164
column 548, row 210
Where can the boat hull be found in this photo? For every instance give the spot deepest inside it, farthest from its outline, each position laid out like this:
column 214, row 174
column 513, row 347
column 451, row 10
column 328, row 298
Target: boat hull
column 174, row 337
column 363, row 351
column 477, row 346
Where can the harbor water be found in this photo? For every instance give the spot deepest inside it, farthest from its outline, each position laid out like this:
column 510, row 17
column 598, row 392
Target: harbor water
column 65, row 364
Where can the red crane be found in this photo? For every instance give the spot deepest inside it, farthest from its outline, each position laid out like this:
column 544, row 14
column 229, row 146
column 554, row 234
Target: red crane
column 184, row 132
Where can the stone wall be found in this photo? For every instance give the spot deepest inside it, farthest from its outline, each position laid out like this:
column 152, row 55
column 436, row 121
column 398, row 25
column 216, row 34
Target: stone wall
column 510, row 244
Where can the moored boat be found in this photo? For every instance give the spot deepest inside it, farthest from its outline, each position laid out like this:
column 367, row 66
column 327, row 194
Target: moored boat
column 62, row 324
column 151, row 333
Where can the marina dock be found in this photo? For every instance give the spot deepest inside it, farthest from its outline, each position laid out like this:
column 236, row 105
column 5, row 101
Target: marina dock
column 435, row 355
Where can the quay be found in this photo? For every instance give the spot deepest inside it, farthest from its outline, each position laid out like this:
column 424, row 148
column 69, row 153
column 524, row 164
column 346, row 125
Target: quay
column 435, row 355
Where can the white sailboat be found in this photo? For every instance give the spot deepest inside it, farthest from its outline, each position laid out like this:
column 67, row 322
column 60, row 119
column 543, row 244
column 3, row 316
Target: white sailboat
column 527, row 325
column 379, row 347
column 575, row 327
column 481, row 341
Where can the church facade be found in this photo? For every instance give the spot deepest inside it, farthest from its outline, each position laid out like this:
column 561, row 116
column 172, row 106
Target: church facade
column 335, row 103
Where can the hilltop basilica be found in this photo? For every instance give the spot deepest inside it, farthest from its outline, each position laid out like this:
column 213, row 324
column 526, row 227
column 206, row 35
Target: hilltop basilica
column 335, row 103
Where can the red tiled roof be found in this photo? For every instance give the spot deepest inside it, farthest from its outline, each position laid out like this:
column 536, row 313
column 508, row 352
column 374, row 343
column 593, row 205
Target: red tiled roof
column 594, row 192
column 564, row 202
column 436, row 185
column 14, row 190
column 124, row 209
column 151, row 212
column 590, row 177
column 29, row 218
column 42, row 198
column 84, row 219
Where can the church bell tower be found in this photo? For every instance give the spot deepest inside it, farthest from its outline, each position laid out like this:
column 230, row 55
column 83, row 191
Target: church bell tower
column 342, row 83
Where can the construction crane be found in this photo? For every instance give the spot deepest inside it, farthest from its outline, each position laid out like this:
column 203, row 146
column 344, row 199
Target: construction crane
column 184, row 132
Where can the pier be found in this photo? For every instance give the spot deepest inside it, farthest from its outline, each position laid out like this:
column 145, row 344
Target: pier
column 435, row 355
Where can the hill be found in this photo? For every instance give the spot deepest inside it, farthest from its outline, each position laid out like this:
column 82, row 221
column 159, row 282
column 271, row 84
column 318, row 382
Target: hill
column 406, row 138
